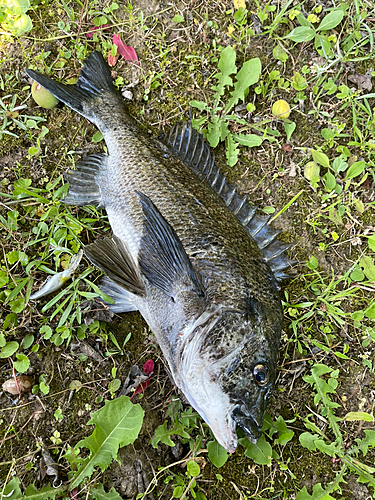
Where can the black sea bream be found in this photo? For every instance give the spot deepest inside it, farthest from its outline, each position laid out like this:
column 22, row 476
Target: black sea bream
column 187, row 252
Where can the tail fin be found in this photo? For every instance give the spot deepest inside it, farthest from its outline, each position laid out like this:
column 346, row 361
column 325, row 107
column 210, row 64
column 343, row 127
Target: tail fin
column 95, row 79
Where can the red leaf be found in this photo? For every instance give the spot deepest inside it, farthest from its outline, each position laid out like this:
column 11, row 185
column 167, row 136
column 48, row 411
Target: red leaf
column 148, row 367
column 91, row 31
column 126, row 51
column 142, row 386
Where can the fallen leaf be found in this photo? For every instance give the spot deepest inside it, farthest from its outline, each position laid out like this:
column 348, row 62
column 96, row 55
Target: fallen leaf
column 92, row 30
column 148, row 367
column 238, row 4
column 126, row 51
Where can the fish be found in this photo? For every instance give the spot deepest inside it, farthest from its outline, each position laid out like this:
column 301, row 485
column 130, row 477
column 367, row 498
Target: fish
column 187, row 251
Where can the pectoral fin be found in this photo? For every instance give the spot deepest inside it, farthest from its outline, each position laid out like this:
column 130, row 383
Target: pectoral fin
column 162, row 258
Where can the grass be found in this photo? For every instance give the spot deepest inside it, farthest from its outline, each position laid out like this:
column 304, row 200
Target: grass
column 314, row 171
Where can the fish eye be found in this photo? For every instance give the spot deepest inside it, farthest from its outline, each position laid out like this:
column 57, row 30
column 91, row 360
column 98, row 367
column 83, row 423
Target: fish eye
column 260, row 374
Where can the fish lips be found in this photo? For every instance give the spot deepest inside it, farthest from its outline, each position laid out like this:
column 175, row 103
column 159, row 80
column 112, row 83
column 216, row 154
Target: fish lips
column 250, row 423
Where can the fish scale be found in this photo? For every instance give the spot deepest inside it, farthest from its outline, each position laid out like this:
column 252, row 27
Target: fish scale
column 187, row 251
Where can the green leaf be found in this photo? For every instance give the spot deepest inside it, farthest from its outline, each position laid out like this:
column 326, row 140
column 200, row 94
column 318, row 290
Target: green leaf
column 289, row 129
column 22, row 364
column 17, row 256
column 198, row 104
column 371, row 242
column 320, row 158
column 97, row 137
column 356, row 169
column 100, row 494
column 17, row 305
column 301, row 34
column 178, row 19
column 308, row 440
column 217, row 453
column 248, row 75
column 232, row 150
column 331, row 20
column 193, row 468
column 318, row 494
column 330, row 181
column 249, row 140
column 9, row 349
column 12, row 490
column 163, row 435
column 4, row 278
column 368, row 267
column 370, row 311
column 354, row 416
column 227, row 66
column 368, row 440
column 117, row 424
column 261, row 452
column 280, row 54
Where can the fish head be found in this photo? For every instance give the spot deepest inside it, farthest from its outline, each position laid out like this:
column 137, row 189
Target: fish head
column 229, row 371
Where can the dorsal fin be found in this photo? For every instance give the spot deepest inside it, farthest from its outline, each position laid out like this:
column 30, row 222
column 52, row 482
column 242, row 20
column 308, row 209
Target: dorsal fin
column 193, row 150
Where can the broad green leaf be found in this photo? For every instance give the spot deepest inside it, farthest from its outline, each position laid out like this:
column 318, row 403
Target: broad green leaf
column 248, row 75
column 331, row 20
column 370, row 311
column 329, row 180
column 227, row 62
column 312, row 172
column 354, row 416
column 308, row 440
column 217, row 453
column 249, row 140
column 301, row 34
column 371, row 242
column 369, row 440
column 280, row 54
column 97, row 137
column 193, row 468
column 12, row 490
column 9, row 349
column 285, row 434
column 356, row 169
column 17, row 256
column 44, row 494
column 261, row 452
column 320, row 158
column 368, row 267
column 117, row 424
column 100, row 494
column 317, row 494
column 17, row 305
column 4, row 278
column 213, row 133
column 162, row 435
column 227, row 66
column 198, row 104
column 232, row 150
column 22, row 364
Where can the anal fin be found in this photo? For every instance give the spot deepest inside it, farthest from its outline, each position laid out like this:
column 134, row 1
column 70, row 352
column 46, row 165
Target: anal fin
column 125, row 301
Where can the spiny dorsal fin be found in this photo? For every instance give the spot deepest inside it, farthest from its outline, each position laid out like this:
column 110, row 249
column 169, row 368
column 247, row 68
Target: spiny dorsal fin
column 162, row 258
column 114, row 259
column 193, row 150
column 83, row 186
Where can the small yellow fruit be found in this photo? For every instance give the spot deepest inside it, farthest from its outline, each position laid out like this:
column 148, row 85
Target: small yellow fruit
column 281, row 109
column 42, row 97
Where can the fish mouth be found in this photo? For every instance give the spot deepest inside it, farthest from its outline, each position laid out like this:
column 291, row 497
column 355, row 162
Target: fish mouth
column 248, row 424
